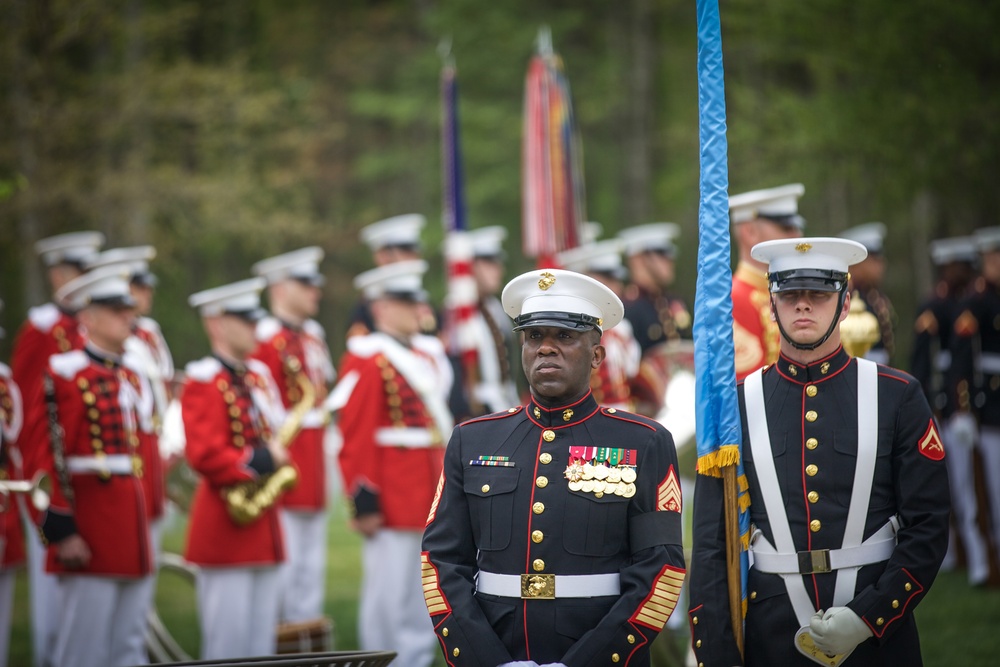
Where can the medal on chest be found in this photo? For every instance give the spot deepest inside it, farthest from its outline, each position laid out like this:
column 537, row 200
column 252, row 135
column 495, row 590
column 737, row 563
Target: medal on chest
column 601, row 470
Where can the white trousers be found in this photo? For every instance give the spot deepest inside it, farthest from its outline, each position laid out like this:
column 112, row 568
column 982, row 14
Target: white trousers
column 43, row 598
column 102, row 622
column 990, row 449
column 303, row 574
column 962, row 481
column 393, row 615
column 238, row 608
column 7, row 578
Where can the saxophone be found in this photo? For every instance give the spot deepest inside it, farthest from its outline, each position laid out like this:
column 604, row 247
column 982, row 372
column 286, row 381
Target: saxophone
column 247, row 501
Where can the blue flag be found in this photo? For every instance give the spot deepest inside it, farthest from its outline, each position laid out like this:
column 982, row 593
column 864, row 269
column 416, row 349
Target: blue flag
column 719, row 433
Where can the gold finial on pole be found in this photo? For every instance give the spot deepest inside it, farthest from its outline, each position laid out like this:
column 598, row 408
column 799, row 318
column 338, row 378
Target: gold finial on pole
column 860, row 329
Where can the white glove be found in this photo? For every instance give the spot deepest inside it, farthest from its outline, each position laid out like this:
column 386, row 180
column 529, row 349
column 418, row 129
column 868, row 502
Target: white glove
column 520, row 663
column 838, row 630
column 962, row 430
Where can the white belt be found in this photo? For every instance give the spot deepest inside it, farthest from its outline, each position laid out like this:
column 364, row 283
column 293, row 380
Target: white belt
column 943, row 360
column 875, row 549
column 315, row 418
column 548, row 586
column 407, row 437
column 989, row 362
column 113, row 464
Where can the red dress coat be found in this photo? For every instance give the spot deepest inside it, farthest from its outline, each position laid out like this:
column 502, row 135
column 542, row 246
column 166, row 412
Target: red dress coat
column 11, row 418
column 97, row 401
column 755, row 336
column 278, row 345
column 229, row 415
column 47, row 331
column 393, row 434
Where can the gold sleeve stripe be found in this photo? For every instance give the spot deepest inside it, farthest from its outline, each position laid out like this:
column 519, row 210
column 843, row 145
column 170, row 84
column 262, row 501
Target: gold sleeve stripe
column 433, row 595
column 657, row 607
column 437, row 499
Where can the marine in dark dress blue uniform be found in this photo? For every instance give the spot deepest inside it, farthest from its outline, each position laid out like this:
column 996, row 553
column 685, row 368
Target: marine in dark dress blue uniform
column 555, row 536
column 811, row 410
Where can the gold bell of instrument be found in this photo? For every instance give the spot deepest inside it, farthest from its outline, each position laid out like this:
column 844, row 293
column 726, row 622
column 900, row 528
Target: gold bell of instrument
column 860, row 329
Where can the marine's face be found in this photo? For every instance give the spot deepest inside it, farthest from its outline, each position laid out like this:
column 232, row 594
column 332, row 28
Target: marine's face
column 558, row 362
column 805, row 315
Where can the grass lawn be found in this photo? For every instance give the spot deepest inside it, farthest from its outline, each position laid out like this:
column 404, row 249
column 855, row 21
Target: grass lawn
column 958, row 625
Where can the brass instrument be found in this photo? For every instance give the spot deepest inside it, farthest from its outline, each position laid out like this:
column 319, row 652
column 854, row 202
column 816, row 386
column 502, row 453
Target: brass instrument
column 246, row 501
column 39, row 489
column 860, row 329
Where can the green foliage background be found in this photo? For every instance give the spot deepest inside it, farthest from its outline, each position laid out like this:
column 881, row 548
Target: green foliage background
column 228, row 131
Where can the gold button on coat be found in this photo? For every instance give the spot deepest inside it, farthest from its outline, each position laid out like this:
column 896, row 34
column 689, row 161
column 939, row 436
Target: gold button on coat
column 542, row 482
column 697, row 644
column 630, row 639
column 880, row 621
column 815, row 525
column 455, row 652
column 537, row 536
column 615, row 657
column 548, row 436
column 538, row 508
column 538, row 565
column 753, row 595
column 545, row 458
column 486, row 488
column 812, row 469
column 895, row 604
column 444, row 632
column 694, row 620
column 812, row 443
column 811, row 416
column 811, row 390
column 907, row 586
column 813, row 497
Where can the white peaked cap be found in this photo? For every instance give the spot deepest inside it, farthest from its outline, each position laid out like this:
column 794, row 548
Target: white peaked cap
column 74, row 247
column 241, row 298
column 954, row 249
column 780, row 204
column 401, row 280
column 598, row 257
column 134, row 259
column 107, row 285
column 560, row 298
column 401, row 230
column 487, row 241
column 649, row 237
column 302, row 264
column 808, row 263
column 871, row 235
column 987, row 238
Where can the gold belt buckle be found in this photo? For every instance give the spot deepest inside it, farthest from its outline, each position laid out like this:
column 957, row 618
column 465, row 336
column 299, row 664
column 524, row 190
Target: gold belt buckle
column 538, row 586
column 814, row 562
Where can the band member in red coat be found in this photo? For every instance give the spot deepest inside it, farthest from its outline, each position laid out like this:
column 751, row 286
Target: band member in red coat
column 293, row 346
column 610, row 382
column 11, row 536
column 50, row 329
column 96, row 525
column 395, row 422
column 757, row 216
column 231, row 411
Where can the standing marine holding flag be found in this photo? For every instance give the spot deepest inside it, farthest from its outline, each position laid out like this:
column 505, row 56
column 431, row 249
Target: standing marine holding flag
column 847, row 483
